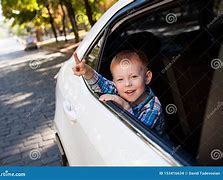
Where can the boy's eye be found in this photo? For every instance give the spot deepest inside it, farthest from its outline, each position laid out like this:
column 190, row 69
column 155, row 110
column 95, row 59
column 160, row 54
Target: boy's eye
column 118, row 80
column 135, row 76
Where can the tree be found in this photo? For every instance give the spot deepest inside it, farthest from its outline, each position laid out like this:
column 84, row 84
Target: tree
column 89, row 12
column 71, row 14
column 51, row 20
column 63, row 19
column 41, row 14
column 21, row 11
column 26, row 11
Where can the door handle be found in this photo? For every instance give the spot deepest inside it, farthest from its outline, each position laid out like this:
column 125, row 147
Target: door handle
column 70, row 111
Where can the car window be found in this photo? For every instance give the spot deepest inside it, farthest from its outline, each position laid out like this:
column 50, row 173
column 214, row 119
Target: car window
column 93, row 56
column 184, row 45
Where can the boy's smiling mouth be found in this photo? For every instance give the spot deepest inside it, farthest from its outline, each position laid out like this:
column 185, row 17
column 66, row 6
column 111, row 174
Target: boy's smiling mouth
column 130, row 92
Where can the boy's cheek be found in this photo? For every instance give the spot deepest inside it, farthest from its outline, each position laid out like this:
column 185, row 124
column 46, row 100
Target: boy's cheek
column 116, row 85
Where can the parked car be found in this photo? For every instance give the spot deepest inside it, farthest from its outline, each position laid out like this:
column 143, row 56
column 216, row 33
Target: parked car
column 183, row 41
column 30, row 43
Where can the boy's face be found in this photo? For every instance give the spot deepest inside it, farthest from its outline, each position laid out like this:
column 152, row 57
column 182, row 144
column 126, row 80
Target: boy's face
column 130, row 78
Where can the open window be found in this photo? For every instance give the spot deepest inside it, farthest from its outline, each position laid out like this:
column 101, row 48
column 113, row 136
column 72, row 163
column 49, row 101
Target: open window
column 182, row 41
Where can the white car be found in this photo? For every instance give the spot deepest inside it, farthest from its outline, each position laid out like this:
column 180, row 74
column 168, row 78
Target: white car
column 183, row 40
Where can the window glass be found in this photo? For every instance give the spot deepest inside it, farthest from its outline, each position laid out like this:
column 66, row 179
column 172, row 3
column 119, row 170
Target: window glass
column 93, row 56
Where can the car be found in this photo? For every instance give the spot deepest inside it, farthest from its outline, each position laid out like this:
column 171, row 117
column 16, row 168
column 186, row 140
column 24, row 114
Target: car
column 30, row 43
column 183, row 41
column 31, row 46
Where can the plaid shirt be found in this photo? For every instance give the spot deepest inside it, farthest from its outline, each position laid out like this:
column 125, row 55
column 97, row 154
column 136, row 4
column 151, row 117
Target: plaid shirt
column 148, row 111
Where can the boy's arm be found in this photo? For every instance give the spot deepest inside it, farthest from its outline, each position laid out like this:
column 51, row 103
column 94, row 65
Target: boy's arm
column 95, row 80
column 101, row 84
column 110, row 97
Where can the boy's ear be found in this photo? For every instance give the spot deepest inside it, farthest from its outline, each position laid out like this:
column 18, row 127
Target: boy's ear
column 149, row 76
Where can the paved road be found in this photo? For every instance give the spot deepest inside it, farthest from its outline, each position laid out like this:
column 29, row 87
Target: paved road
column 27, row 103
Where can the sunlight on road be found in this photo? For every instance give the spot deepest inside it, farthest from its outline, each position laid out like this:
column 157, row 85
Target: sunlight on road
column 9, row 45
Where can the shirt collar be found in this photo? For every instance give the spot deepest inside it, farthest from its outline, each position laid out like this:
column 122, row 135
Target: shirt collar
column 137, row 108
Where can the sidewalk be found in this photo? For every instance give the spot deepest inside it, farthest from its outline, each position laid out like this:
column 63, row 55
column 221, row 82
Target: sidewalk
column 62, row 46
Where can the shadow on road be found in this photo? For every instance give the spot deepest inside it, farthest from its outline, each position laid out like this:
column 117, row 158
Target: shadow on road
column 27, row 101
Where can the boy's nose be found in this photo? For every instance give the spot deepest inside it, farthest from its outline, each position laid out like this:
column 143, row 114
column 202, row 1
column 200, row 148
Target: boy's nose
column 128, row 83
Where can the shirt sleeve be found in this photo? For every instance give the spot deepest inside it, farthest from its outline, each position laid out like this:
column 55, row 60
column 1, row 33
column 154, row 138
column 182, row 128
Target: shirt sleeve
column 101, row 84
column 131, row 111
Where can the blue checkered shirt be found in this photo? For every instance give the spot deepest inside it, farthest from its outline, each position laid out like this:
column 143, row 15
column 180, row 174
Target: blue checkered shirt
column 149, row 111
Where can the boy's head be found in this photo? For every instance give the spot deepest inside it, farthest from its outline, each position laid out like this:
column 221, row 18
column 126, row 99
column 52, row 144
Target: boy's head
column 131, row 75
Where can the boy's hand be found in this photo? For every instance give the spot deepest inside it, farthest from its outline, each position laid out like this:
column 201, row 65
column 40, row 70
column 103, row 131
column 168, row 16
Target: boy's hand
column 115, row 98
column 81, row 68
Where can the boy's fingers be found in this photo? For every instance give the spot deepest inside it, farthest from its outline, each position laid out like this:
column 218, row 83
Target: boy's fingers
column 76, row 58
column 106, row 97
column 78, row 74
column 77, row 69
column 102, row 98
column 82, row 64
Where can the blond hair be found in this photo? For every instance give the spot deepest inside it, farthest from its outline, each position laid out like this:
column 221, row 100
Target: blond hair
column 129, row 55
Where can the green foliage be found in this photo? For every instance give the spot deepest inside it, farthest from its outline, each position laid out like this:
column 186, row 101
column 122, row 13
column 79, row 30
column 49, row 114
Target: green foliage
column 33, row 13
column 21, row 11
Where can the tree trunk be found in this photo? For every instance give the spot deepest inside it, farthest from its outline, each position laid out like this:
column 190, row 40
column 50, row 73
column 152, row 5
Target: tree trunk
column 52, row 22
column 71, row 15
column 63, row 21
column 89, row 12
column 39, row 34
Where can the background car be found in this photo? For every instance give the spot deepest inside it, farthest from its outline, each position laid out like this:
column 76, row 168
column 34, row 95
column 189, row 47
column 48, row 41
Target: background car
column 30, row 43
column 183, row 41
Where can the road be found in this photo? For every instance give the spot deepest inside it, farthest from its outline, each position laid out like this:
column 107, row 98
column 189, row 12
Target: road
column 27, row 103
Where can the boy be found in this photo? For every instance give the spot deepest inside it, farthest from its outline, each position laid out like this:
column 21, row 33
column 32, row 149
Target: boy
column 129, row 87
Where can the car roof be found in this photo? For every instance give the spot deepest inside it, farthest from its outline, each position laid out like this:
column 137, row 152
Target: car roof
column 117, row 9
